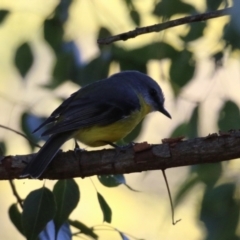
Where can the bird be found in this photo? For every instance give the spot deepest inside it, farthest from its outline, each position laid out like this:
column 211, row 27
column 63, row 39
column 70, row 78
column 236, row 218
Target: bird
column 98, row 114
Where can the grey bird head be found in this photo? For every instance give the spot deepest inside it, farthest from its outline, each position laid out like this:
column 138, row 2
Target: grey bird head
column 149, row 89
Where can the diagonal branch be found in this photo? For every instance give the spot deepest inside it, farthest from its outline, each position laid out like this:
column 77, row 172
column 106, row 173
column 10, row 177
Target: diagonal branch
column 162, row 26
column 142, row 157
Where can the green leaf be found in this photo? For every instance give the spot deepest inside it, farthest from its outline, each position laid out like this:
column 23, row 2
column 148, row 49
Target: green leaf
column 135, row 16
column 182, row 69
column 220, row 212
column 192, row 130
column 185, row 188
column 3, row 15
column 123, row 236
column 66, row 66
column 24, row 59
column 196, row 31
column 83, row 228
column 28, row 123
column 62, row 10
column 208, row 173
column 232, row 29
column 218, row 59
column 141, row 55
column 49, row 232
column 138, row 58
column 106, row 210
column 38, row 209
column 213, row 5
column 62, row 69
column 3, row 148
column 53, row 33
column 64, row 232
column 231, row 35
column 16, row 217
column 168, row 8
column 189, row 129
column 112, row 180
column 103, row 33
column 67, row 196
column 180, row 130
column 95, row 70
column 133, row 134
column 229, row 117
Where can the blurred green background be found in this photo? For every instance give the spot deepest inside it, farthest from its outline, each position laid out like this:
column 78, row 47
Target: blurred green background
column 49, row 49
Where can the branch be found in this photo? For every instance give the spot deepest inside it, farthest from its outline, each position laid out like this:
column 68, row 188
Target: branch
column 15, row 193
column 142, row 157
column 162, row 26
column 21, row 134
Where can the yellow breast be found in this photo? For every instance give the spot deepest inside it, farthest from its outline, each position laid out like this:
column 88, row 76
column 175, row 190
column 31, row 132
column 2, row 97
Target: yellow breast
column 99, row 135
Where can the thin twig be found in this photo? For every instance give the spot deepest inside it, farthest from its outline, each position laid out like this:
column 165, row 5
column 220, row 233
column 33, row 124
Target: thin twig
column 170, row 198
column 15, row 193
column 21, row 134
column 162, row 26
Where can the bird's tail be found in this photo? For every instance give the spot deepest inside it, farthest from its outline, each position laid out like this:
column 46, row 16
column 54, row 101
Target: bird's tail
column 45, row 155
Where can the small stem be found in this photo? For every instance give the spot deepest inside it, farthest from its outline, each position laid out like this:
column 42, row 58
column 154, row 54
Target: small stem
column 15, row 193
column 21, row 134
column 170, row 198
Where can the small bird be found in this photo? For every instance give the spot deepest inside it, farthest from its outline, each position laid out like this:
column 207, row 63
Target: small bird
column 98, row 114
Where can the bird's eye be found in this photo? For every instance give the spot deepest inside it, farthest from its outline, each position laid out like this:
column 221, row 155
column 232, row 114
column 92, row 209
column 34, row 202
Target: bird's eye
column 153, row 92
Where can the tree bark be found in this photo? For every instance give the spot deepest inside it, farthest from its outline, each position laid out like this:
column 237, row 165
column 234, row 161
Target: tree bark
column 173, row 152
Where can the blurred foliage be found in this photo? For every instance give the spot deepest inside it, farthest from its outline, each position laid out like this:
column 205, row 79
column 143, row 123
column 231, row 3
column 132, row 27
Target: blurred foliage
column 3, row 148
column 220, row 212
column 24, row 59
column 168, row 8
column 3, row 15
column 229, row 117
column 45, row 212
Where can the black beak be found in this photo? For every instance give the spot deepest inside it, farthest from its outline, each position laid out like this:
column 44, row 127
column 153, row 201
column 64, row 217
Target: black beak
column 165, row 112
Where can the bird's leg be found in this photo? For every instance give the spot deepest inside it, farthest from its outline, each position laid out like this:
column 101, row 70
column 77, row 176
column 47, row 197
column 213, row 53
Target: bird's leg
column 78, row 149
column 120, row 148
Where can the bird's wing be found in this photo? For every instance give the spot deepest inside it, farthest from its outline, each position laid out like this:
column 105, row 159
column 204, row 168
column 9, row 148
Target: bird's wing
column 86, row 112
